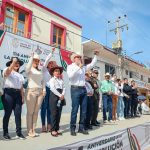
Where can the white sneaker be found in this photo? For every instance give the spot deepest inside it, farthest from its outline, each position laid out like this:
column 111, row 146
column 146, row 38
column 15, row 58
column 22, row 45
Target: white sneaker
column 20, row 136
column 111, row 121
column 123, row 118
column 105, row 121
column 36, row 134
column 120, row 118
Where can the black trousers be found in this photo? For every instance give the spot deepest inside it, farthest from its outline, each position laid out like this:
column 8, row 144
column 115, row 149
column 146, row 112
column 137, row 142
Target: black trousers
column 12, row 100
column 127, row 107
column 95, row 110
column 55, row 111
column 134, row 103
column 89, row 110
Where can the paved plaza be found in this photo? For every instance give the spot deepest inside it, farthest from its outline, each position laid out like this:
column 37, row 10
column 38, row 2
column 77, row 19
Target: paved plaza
column 46, row 141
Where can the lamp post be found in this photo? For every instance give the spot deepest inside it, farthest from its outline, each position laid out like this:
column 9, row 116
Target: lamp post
column 121, row 61
column 136, row 53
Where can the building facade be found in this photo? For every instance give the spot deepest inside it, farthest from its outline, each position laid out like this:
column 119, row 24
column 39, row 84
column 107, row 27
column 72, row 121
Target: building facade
column 109, row 62
column 30, row 19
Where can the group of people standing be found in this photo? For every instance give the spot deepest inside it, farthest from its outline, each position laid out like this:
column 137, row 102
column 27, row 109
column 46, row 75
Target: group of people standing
column 45, row 90
column 119, row 98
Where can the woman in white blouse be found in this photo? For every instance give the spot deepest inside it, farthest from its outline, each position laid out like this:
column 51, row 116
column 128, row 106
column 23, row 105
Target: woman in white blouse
column 35, row 93
column 13, row 97
column 56, row 98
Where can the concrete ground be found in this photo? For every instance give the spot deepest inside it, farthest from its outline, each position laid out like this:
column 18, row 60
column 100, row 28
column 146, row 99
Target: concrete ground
column 46, row 141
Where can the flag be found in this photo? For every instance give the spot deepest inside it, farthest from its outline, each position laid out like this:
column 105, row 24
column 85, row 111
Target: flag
column 65, row 58
column 2, row 34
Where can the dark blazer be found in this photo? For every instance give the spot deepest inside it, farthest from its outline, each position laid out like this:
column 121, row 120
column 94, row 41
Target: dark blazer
column 127, row 89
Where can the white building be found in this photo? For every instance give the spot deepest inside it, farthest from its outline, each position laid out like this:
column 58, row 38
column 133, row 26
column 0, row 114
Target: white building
column 31, row 19
column 109, row 62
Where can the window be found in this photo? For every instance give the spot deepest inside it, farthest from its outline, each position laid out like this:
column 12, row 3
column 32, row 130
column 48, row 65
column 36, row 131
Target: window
column 130, row 74
column 9, row 19
column 58, row 35
column 141, row 77
column 109, row 68
column 127, row 72
column 16, row 21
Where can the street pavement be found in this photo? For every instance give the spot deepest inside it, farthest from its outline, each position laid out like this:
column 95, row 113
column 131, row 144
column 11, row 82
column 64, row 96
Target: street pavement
column 46, row 141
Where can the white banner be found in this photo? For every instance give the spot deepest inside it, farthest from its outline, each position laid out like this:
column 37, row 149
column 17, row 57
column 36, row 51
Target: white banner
column 14, row 45
column 135, row 138
column 139, row 137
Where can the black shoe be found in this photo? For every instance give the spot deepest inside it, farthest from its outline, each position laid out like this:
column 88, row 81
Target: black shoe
column 84, row 132
column 97, row 122
column 20, row 136
column 73, row 133
column 90, row 127
column 6, row 136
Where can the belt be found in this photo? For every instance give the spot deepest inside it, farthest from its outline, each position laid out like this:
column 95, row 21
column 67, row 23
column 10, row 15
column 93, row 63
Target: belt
column 78, row 87
column 12, row 89
column 105, row 94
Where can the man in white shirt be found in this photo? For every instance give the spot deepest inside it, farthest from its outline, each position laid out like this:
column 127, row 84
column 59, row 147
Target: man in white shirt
column 76, row 73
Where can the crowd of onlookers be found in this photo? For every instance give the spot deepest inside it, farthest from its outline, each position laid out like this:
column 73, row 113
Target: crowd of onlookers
column 45, row 90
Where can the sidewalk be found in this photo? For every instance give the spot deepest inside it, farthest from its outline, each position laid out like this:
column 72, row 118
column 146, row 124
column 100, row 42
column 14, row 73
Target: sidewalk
column 46, row 141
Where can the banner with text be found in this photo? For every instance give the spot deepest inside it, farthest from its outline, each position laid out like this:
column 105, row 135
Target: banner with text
column 135, row 138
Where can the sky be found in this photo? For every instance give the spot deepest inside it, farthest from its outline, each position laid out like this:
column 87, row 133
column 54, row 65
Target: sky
column 93, row 16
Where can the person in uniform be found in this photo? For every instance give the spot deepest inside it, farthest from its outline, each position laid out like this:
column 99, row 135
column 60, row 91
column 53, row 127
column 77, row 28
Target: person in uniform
column 96, row 97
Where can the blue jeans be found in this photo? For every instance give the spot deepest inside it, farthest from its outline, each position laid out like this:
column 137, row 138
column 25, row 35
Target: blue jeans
column 120, row 107
column 107, row 105
column 45, row 108
column 79, row 98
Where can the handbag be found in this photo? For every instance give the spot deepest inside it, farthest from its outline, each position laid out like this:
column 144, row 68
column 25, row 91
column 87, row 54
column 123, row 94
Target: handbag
column 63, row 102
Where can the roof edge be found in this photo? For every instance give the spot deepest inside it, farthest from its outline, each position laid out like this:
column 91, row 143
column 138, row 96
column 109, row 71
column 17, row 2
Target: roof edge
column 55, row 13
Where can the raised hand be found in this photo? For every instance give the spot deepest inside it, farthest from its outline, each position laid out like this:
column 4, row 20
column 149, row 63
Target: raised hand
column 80, row 65
column 15, row 60
column 96, row 52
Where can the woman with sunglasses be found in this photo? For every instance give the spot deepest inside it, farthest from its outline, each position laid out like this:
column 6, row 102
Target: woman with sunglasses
column 35, row 93
column 13, row 97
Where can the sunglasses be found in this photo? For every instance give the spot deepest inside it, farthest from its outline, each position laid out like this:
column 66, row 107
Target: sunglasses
column 96, row 72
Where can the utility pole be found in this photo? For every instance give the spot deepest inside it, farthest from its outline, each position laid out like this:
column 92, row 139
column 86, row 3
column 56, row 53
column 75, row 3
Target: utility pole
column 117, row 45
